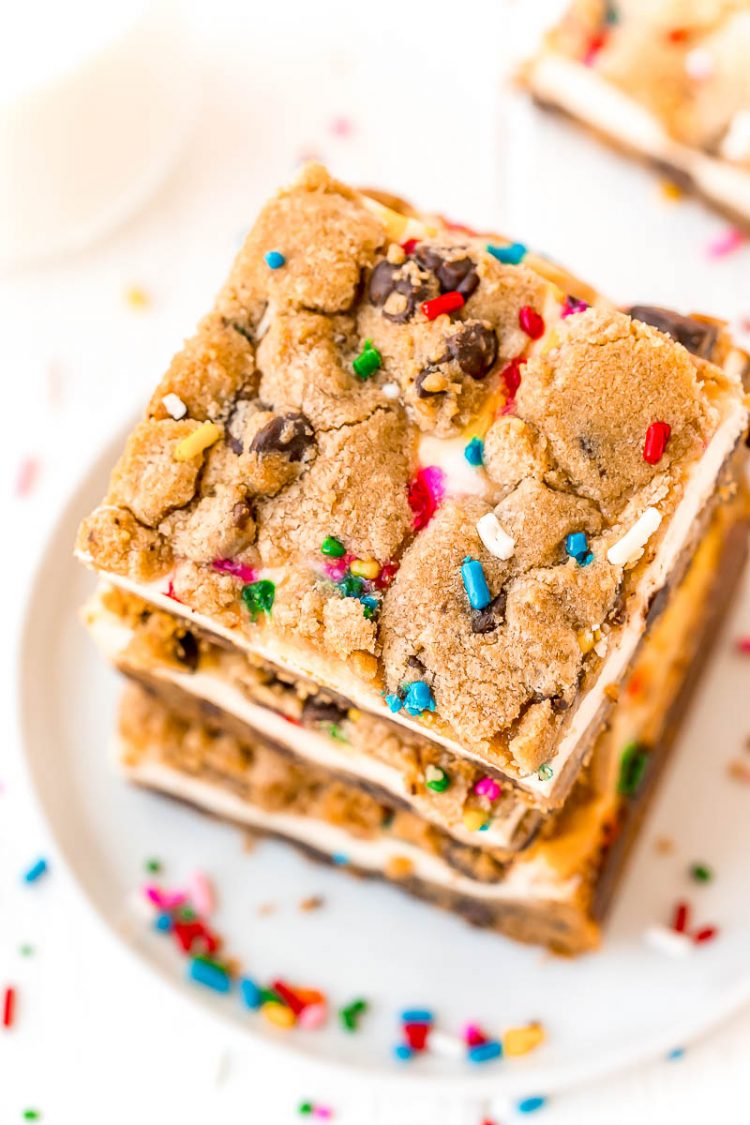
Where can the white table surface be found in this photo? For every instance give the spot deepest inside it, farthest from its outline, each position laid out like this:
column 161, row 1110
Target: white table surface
column 96, row 1039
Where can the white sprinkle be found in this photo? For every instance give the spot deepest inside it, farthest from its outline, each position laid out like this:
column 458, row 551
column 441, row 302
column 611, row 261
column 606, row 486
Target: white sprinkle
column 201, row 893
column 391, row 390
column 668, row 941
column 447, row 1046
column 736, row 143
column 174, row 406
column 630, row 548
column 699, row 64
column 600, row 648
column 497, row 541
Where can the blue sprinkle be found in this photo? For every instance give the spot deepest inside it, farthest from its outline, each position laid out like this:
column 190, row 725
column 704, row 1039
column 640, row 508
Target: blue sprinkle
column 251, row 993
column 676, row 1053
column 35, row 871
column 418, row 698
column 212, row 976
column 474, row 452
column 576, row 545
column 485, row 1052
column 403, row 1052
column 163, row 923
column 475, row 584
column 416, row 1015
column 340, row 859
column 584, row 560
column 531, row 1105
column 395, row 703
column 485, row 827
column 274, row 260
column 508, row 255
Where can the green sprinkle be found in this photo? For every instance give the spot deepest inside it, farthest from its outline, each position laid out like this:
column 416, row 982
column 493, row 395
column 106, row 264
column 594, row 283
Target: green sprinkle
column 335, row 731
column 31, row 1115
column 351, row 586
column 258, row 596
column 350, row 1014
column 701, row 872
column 332, row 547
column 26, row 950
column 632, row 768
column 545, row 772
column 153, row 866
column 267, row 994
column 305, row 1108
column 368, row 361
column 436, row 779
column 186, row 914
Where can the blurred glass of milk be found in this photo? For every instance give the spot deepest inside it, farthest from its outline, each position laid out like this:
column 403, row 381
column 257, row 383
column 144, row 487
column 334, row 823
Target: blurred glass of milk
column 95, row 103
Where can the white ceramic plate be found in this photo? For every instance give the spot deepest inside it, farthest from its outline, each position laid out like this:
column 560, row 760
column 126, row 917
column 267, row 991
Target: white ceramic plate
column 622, row 1005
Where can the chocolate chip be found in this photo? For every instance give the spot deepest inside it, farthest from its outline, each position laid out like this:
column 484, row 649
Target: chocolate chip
column 415, row 663
column 474, row 349
column 315, row 709
column 697, row 337
column 290, row 434
column 187, row 651
column 459, row 275
column 487, row 620
column 241, row 513
column 558, row 704
column 384, row 283
column 419, row 387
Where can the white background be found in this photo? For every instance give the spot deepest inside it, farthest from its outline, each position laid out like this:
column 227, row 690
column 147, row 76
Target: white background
column 97, row 1040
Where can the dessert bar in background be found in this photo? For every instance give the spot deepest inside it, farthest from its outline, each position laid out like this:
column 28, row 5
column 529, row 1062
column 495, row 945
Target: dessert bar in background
column 399, row 524
column 665, row 80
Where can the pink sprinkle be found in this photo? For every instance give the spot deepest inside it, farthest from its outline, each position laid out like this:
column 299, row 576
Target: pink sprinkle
column 28, row 472
column 337, row 568
column 171, row 594
column 235, row 568
column 726, row 243
column 425, row 492
column 743, row 645
column 323, row 1112
column 165, row 900
column 201, row 893
column 572, row 305
column 312, row 1017
column 342, row 127
column 487, row 787
column 473, row 1035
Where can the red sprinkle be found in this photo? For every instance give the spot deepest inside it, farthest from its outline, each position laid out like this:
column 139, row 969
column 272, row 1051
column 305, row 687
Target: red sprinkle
column 171, row 594
column 657, row 436
column 680, row 918
column 678, row 35
column 743, row 645
column 28, row 471
column 410, row 245
column 594, row 46
column 531, row 322
column 416, row 1035
column 289, row 996
column 511, row 375
column 424, row 494
column 446, row 303
column 388, row 572
column 188, row 933
column 9, row 1004
column 708, row 933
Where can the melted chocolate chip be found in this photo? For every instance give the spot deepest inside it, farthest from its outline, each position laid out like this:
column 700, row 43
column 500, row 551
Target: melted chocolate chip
column 241, row 513
column 697, row 337
column 474, row 349
column 419, row 386
column 487, row 620
column 458, row 276
column 315, row 709
column 290, row 434
column 384, row 282
column 187, row 651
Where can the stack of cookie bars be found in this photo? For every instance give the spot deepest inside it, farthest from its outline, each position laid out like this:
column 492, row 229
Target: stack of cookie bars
column 414, row 555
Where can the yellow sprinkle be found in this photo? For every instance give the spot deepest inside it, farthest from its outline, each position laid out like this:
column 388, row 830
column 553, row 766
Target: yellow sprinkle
column 136, row 297
column 278, row 1014
column 671, row 191
column 353, row 714
column 365, row 568
column 557, row 293
column 521, row 1040
column 586, row 641
column 551, row 342
column 474, row 819
column 200, row 439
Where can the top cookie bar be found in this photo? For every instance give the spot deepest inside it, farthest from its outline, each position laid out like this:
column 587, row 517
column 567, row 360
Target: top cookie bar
column 666, row 78
column 397, row 459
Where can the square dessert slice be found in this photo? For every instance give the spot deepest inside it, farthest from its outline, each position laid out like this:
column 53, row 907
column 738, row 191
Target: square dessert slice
column 413, row 470
column 665, row 81
column 558, row 890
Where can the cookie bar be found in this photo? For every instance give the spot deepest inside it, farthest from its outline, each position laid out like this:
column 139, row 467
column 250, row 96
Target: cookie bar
column 557, row 891
column 398, row 460
column 665, row 80
column 199, row 678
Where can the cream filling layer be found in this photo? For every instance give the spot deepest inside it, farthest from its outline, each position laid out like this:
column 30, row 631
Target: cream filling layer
column 113, row 636
column 584, row 94
column 525, row 880
column 700, row 485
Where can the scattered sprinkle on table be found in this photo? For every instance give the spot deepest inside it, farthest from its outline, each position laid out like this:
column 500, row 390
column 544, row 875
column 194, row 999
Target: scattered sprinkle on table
column 726, row 243
column 28, row 472
column 315, row 1109
column 35, row 872
column 274, row 259
column 9, row 1006
column 701, row 873
column 676, row 1053
column 531, row 1105
column 350, row 1014
column 671, row 191
column 32, row 1115
column 137, row 297
column 153, row 866
column 313, row 902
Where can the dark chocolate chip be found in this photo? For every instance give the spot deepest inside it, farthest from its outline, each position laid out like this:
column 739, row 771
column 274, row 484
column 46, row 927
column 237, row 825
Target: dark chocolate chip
column 657, row 604
column 315, row 709
column 241, row 513
column 474, row 349
column 487, row 620
column 187, row 651
column 558, row 704
column 290, row 434
column 428, row 258
column 419, row 387
column 697, row 337
column 384, row 282
column 458, row 276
